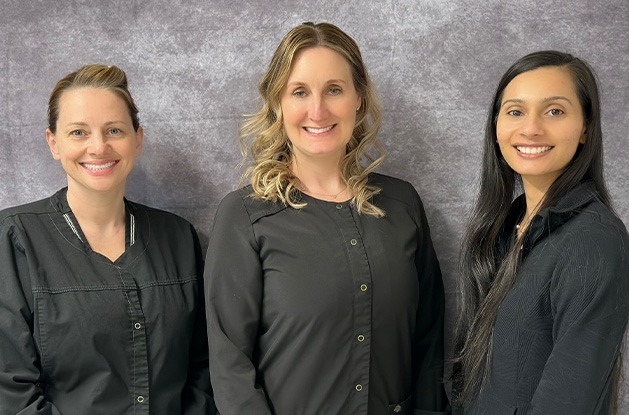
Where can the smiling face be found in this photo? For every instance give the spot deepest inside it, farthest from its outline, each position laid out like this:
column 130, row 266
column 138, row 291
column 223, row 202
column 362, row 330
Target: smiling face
column 95, row 140
column 319, row 104
column 540, row 125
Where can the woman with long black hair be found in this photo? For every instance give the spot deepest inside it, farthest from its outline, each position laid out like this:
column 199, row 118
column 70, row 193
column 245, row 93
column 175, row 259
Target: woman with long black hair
column 545, row 276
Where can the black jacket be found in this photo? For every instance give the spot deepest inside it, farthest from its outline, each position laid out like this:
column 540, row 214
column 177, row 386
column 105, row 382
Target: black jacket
column 559, row 330
column 325, row 311
column 80, row 334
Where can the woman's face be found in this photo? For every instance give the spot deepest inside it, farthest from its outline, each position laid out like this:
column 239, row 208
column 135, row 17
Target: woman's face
column 95, row 140
column 540, row 125
column 319, row 105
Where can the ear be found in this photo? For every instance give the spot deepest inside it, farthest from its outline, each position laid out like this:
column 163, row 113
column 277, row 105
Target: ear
column 139, row 141
column 359, row 103
column 52, row 144
column 583, row 135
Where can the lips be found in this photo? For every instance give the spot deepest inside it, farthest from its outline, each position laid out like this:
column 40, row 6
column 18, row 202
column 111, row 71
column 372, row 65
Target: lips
column 313, row 130
column 98, row 167
column 533, row 150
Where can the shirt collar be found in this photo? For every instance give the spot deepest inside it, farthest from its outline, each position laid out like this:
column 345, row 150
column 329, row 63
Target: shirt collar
column 549, row 219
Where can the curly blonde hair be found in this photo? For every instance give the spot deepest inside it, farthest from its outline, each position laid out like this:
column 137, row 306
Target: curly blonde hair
column 262, row 136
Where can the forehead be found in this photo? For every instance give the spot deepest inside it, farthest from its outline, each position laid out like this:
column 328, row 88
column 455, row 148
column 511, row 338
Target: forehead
column 541, row 83
column 78, row 101
column 319, row 61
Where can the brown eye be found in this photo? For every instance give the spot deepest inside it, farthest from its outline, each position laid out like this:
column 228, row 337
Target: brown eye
column 515, row 113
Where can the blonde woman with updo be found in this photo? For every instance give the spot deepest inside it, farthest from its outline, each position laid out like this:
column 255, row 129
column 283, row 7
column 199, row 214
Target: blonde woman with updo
column 324, row 293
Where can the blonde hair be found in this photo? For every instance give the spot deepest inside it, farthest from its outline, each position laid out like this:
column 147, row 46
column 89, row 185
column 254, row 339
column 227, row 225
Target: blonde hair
column 107, row 77
column 269, row 147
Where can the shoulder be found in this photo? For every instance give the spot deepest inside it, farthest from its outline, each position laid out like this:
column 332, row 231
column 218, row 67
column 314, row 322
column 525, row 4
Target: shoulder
column 37, row 208
column 594, row 243
column 394, row 189
column 242, row 202
column 596, row 224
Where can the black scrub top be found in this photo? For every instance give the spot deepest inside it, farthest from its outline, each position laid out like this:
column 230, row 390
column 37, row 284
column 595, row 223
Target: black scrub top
column 80, row 334
column 321, row 310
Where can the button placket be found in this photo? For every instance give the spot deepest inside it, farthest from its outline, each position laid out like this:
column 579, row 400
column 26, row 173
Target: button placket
column 139, row 337
column 348, row 223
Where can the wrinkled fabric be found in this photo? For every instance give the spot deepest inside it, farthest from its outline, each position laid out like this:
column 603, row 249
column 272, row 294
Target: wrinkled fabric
column 80, row 334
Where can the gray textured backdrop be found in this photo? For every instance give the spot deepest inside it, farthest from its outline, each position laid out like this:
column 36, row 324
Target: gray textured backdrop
column 194, row 65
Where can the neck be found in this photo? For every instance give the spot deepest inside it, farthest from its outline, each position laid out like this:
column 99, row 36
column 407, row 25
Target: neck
column 97, row 209
column 534, row 192
column 320, row 179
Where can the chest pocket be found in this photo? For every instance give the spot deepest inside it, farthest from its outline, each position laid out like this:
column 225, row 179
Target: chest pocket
column 75, row 330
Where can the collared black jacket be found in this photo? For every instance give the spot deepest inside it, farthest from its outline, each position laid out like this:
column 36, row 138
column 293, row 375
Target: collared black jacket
column 80, row 334
column 559, row 331
column 321, row 310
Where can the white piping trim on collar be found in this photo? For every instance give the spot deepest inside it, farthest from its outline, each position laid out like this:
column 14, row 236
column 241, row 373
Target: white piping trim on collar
column 71, row 225
column 132, row 230
column 131, row 224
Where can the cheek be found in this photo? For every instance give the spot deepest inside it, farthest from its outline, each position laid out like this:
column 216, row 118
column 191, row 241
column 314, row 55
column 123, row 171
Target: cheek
column 68, row 152
column 502, row 131
column 291, row 113
column 347, row 110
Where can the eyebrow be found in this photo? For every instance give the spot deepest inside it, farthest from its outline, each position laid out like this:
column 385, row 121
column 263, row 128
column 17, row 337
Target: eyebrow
column 549, row 99
column 331, row 81
column 83, row 124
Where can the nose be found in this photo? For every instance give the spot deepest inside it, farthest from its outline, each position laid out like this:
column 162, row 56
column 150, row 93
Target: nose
column 318, row 109
column 533, row 126
column 97, row 144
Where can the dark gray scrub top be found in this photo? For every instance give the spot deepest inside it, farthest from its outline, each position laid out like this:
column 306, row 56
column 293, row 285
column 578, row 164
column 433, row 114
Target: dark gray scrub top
column 321, row 310
column 80, row 334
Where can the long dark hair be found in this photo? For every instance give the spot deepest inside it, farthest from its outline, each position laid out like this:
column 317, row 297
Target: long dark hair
column 485, row 278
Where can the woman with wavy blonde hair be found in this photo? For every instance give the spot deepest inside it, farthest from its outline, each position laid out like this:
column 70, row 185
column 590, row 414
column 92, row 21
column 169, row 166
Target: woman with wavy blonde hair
column 324, row 290
column 270, row 172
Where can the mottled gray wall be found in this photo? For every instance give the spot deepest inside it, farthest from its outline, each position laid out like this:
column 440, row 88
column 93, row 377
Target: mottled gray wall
column 194, row 66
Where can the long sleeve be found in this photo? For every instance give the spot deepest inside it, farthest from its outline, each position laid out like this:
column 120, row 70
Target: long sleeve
column 589, row 297
column 428, row 391
column 233, row 300
column 197, row 398
column 21, row 378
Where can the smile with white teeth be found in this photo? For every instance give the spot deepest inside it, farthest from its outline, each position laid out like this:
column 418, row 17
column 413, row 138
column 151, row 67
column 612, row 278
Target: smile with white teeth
column 98, row 167
column 318, row 130
column 533, row 150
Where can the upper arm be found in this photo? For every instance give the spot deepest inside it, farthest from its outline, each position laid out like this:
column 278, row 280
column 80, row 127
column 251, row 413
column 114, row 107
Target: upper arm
column 233, row 300
column 20, row 371
column 429, row 393
column 233, row 275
